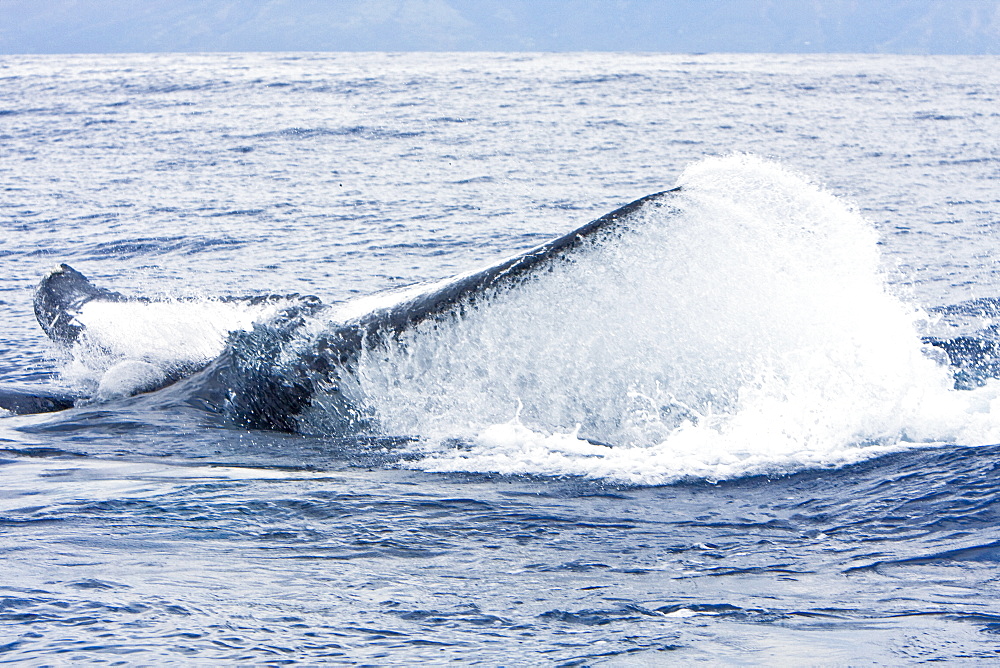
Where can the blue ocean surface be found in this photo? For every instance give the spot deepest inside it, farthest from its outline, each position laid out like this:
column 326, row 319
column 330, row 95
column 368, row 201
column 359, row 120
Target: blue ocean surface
column 718, row 435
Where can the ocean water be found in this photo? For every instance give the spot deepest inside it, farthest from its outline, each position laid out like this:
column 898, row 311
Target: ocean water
column 714, row 436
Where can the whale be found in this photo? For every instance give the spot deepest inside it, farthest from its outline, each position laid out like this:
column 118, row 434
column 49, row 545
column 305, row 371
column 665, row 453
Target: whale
column 255, row 384
column 249, row 387
column 25, row 400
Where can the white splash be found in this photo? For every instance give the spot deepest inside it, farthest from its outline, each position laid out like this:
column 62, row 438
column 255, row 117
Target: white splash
column 749, row 330
column 127, row 346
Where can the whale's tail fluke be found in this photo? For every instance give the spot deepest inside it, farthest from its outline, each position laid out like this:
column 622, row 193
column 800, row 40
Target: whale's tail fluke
column 59, row 298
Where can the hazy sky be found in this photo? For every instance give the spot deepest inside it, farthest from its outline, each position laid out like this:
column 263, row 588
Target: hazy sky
column 808, row 26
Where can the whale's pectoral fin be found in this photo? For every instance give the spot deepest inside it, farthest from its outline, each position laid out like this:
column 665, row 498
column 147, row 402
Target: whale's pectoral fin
column 59, row 298
column 470, row 288
column 973, row 360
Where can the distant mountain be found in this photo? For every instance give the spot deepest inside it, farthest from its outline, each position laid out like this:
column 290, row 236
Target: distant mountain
column 781, row 26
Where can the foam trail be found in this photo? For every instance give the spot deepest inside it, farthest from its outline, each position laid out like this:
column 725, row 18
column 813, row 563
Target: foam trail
column 750, row 330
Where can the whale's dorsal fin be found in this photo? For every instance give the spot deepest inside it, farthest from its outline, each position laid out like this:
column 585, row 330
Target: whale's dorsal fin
column 59, row 298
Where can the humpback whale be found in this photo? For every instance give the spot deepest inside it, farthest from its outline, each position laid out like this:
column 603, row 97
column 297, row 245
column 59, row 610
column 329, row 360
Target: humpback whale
column 23, row 401
column 269, row 373
column 248, row 385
